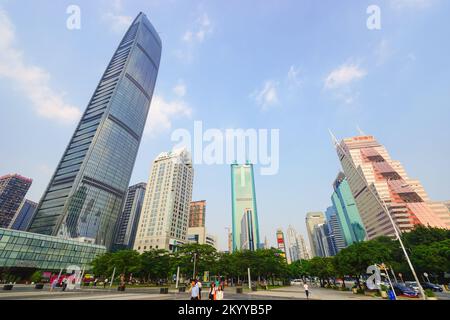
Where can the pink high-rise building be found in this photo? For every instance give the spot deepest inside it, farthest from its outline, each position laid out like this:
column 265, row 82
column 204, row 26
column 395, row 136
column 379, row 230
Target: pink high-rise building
column 372, row 174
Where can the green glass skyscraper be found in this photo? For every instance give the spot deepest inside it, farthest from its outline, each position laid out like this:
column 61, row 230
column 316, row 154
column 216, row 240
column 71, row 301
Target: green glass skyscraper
column 348, row 215
column 245, row 214
column 84, row 197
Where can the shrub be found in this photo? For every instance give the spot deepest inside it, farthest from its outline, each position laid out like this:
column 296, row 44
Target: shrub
column 36, row 277
column 429, row 293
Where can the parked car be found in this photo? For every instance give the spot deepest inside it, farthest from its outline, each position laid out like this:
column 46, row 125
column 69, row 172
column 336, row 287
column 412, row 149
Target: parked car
column 413, row 285
column 296, row 282
column 402, row 290
column 431, row 286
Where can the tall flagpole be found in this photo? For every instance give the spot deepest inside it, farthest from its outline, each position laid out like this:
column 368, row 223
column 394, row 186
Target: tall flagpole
column 382, row 203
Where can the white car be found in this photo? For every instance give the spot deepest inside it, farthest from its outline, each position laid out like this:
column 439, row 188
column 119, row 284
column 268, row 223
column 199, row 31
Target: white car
column 296, row 282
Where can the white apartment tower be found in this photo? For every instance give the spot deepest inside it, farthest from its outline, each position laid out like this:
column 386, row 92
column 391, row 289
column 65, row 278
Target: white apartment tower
column 164, row 219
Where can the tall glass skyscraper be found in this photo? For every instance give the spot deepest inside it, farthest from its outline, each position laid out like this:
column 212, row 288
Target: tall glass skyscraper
column 244, row 212
column 335, row 230
column 13, row 189
column 347, row 212
column 23, row 216
column 129, row 219
column 85, row 194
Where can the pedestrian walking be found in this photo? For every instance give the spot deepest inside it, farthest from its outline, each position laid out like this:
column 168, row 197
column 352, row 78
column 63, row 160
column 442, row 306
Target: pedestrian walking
column 194, row 290
column 305, row 286
column 212, row 291
column 219, row 293
column 105, row 283
column 199, row 284
column 64, row 284
column 54, row 283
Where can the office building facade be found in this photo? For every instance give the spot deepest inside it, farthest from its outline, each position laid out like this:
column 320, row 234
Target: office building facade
column 85, row 195
column 374, row 178
column 281, row 245
column 335, row 230
column 197, row 214
column 296, row 245
column 244, row 211
column 23, row 217
column 129, row 219
column 19, row 249
column 13, row 188
column 312, row 219
column 164, row 219
column 347, row 212
column 321, row 239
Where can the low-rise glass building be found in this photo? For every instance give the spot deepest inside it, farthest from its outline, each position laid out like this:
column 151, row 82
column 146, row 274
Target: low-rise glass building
column 19, row 249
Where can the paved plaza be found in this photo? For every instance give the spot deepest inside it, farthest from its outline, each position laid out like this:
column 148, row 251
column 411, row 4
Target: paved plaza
column 24, row 292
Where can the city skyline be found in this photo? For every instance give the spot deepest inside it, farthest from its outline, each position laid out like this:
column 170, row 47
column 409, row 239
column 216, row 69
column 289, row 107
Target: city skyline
column 380, row 55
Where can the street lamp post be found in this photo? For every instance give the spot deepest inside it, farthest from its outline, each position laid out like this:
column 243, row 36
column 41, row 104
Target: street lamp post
column 195, row 258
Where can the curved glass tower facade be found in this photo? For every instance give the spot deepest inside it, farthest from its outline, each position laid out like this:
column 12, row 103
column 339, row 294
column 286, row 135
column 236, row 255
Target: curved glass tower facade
column 85, row 195
column 244, row 215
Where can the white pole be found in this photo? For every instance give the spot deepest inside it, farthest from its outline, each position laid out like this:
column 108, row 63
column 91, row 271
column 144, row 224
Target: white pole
column 249, row 280
column 390, row 283
column 81, row 279
column 59, row 275
column 178, row 277
column 386, row 210
column 393, row 273
column 112, row 277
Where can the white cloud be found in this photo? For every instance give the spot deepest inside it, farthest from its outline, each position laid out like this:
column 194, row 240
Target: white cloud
column 201, row 29
column 415, row 4
column 180, row 90
column 117, row 21
column 267, row 96
column 383, row 52
column 32, row 81
column 162, row 112
column 193, row 37
column 344, row 75
column 294, row 77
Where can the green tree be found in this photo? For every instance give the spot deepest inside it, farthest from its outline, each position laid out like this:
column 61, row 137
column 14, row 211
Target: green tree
column 155, row 264
column 322, row 268
column 206, row 259
column 101, row 265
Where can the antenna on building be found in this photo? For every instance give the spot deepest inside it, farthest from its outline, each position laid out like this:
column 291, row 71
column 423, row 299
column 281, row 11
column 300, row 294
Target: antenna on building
column 361, row 133
column 333, row 138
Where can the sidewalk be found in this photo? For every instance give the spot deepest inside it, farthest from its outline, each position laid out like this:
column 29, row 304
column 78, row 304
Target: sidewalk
column 297, row 292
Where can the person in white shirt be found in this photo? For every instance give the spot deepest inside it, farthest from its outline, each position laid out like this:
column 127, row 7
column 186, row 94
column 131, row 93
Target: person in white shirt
column 305, row 286
column 219, row 293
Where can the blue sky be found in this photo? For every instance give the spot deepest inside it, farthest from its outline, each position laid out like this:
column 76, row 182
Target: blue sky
column 298, row 66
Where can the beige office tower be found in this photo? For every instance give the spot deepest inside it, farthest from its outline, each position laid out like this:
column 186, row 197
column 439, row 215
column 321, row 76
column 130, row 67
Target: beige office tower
column 296, row 245
column 372, row 175
column 313, row 219
column 165, row 215
column 304, row 254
